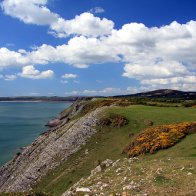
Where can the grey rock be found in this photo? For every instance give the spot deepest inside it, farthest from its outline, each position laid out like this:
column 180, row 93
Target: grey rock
column 104, row 165
column 47, row 152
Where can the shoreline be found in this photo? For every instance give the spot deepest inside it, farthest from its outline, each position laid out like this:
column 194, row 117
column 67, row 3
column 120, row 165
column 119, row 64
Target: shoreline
column 32, row 101
column 45, row 129
column 39, row 155
column 18, row 101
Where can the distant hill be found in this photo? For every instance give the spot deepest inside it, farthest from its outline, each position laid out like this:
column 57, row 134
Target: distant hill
column 164, row 93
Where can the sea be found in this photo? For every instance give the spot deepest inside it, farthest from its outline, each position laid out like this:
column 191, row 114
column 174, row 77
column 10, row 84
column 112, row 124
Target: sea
column 22, row 122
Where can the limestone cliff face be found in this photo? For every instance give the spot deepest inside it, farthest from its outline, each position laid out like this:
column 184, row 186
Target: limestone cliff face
column 48, row 151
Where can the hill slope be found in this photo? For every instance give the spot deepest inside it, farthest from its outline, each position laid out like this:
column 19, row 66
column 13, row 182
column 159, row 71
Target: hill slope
column 90, row 133
column 109, row 142
column 164, row 93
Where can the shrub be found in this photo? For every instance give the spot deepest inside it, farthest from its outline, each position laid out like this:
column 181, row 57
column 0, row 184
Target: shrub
column 160, row 137
column 189, row 103
column 114, row 120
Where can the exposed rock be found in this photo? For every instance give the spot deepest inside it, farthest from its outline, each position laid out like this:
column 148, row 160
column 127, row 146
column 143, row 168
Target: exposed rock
column 63, row 118
column 87, row 190
column 96, row 170
column 53, row 123
column 131, row 186
column 118, row 170
column 105, row 164
column 47, row 152
column 86, row 152
column 102, row 166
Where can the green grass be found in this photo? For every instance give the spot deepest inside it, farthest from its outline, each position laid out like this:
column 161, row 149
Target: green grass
column 159, row 115
column 109, row 143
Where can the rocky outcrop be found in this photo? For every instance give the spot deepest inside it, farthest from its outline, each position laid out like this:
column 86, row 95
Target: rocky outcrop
column 64, row 117
column 48, row 151
column 53, row 123
column 77, row 188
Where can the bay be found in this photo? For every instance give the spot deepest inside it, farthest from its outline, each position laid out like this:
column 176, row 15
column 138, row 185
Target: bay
column 22, row 122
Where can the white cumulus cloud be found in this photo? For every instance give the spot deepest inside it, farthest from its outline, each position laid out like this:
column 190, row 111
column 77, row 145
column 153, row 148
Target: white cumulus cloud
column 36, row 12
column 11, row 58
column 67, row 76
column 32, row 73
column 84, row 24
column 29, row 11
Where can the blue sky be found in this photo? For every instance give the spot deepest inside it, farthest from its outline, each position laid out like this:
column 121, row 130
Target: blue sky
column 96, row 47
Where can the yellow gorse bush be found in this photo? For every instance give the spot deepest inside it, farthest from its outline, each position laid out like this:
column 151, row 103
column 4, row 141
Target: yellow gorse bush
column 160, row 137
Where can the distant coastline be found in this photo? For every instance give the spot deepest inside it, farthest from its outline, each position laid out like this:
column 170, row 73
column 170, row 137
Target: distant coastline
column 15, row 101
column 43, row 99
column 20, row 101
column 38, row 99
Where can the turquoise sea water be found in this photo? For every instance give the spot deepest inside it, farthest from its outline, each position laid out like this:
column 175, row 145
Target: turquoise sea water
column 22, row 122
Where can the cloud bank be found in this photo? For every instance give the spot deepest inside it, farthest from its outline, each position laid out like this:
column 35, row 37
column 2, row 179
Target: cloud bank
column 156, row 56
column 36, row 12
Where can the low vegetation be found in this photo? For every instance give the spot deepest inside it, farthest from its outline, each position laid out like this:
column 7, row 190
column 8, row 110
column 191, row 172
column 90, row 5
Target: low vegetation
column 127, row 101
column 159, row 102
column 109, row 141
column 96, row 103
column 160, row 137
column 25, row 194
column 132, row 177
column 165, row 121
column 113, row 120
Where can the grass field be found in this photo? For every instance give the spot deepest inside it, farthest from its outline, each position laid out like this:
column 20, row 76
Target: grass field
column 109, row 143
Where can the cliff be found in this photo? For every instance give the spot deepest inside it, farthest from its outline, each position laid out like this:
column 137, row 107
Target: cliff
column 49, row 149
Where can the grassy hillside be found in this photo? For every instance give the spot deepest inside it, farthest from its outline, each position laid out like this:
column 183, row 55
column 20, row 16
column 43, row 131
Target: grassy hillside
column 109, row 142
column 164, row 176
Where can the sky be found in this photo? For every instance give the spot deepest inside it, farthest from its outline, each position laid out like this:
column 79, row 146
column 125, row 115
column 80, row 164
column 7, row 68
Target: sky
column 96, row 47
